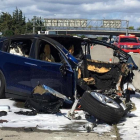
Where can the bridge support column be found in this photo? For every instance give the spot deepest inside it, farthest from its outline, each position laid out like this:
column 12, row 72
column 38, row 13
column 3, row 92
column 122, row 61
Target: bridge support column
column 127, row 26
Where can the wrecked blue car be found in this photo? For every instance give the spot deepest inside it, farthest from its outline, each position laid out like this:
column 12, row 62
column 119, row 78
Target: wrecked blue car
column 27, row 60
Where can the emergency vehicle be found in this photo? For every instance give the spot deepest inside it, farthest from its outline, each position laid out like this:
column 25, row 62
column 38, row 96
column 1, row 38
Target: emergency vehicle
column 128, row 43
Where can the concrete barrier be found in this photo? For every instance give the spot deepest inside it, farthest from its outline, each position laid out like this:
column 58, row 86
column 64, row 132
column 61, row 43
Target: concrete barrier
column 136, row 78
column 102, row 53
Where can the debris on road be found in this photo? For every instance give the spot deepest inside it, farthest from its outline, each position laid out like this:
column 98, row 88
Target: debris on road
column 57, row 122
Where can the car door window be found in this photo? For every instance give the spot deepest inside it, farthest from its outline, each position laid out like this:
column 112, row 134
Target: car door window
column 5, row 46
column 47, row 52
column 46, row 68
column 20, row 47
column 103, row 53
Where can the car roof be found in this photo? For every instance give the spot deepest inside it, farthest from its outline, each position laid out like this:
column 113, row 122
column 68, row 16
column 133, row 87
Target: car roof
column 127, row 36
column 66, row 37
column 29, row 36
column 45, row 36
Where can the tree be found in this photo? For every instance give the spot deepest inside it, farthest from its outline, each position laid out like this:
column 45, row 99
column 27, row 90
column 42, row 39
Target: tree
column 29, row 27
column 8, row 33
column 12, row 24
column 131, row 28
column 82, row 36
column 99, row 38
column 5, row 24
column 15, row 23
column 39, row 25
column 19, row 25
column 138, row 28
column 90, row 26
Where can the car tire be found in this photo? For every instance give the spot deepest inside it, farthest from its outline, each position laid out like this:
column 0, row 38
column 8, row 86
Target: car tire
column 2, row 87
column 101, row 111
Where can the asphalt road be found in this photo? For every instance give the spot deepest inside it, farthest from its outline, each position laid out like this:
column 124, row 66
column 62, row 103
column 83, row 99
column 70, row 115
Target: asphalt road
column 136, row 79
column 102, row 53
column 32, row 134
column 69, row 134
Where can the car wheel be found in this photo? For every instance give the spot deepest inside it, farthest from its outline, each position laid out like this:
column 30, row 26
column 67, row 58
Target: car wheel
column 2, row 86
column 102, row 107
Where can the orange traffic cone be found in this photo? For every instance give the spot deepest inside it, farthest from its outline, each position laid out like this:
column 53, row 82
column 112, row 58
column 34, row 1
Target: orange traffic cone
column 92, row 47
column 110, row 60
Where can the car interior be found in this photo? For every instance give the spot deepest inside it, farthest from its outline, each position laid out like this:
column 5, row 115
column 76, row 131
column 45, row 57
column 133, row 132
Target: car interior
column 20, row 47
column 67, row 42
column 53, row 51
column 98, row 74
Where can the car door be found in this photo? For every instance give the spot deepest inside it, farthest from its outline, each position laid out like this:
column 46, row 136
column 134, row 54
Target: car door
column 50, row 74
column 16, row 70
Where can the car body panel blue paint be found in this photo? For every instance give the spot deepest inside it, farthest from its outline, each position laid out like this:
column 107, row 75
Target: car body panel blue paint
column 23, row 74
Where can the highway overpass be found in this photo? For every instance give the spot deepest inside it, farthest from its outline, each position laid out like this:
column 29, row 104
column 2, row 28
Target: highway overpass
column 96, row 32
column 85, row 26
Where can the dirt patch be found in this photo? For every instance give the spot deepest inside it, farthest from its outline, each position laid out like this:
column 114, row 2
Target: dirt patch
column 21, row 134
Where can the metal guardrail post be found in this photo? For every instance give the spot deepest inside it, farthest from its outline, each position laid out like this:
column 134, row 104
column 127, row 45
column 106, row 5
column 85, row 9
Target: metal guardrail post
column 127, row 26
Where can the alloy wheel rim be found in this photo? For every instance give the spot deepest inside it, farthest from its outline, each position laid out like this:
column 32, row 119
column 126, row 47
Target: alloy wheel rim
column 105, row 100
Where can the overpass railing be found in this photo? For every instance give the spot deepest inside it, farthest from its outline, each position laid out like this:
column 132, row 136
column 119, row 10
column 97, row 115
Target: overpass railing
column 89, row 29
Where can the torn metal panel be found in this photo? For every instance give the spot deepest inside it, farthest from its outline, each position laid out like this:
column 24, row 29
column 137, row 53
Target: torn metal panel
column 41, row 89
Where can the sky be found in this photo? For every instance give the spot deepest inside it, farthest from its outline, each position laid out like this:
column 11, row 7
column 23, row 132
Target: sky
column 85, row 9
